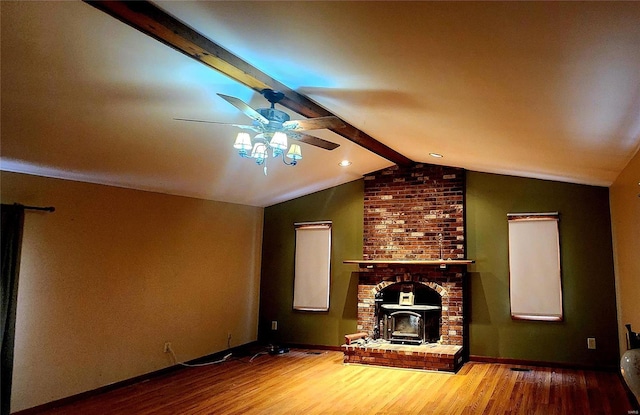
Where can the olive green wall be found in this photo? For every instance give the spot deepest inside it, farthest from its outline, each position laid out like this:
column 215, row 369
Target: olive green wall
column 344, row 205
column 589, row 300
column 587, row 262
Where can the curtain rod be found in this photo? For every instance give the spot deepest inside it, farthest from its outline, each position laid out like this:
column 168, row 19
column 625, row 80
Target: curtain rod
column 534, row 214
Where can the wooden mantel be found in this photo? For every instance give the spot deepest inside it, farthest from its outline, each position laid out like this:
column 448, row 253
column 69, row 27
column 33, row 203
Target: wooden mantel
column 367, row 262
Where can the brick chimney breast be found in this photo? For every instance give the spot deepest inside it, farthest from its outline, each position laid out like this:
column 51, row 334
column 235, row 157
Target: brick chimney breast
column 406, row 209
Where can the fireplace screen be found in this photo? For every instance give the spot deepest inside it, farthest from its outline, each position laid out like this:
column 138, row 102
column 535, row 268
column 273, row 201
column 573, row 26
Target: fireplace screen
column 405, row 326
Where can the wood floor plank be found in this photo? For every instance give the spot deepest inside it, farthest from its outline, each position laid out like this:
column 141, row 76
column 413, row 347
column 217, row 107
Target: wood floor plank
column 300, row 382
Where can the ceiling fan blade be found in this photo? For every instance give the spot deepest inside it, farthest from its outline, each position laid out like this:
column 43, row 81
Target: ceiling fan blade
column 314, row 141
column 202, row 121
column 313, row 123
column 244, row 127
column 246, row 109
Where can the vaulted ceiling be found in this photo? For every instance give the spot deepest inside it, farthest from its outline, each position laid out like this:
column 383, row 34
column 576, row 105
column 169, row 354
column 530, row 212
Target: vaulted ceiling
column 537, row 89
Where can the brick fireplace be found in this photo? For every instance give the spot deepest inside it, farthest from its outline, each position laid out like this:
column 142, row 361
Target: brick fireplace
column 414, row 242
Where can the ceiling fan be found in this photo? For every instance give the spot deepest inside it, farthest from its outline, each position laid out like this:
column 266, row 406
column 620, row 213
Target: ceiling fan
column 274, row 127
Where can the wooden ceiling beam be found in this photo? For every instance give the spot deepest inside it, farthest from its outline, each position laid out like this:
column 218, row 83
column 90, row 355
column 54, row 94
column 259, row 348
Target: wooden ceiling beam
column 155, row 22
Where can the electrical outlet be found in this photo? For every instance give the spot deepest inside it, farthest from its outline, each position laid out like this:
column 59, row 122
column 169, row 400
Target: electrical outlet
column 274, row 325
column 167, row 347
column 591, row 343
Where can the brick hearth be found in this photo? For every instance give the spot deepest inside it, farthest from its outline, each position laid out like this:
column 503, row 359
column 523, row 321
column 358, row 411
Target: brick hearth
column 447, row 358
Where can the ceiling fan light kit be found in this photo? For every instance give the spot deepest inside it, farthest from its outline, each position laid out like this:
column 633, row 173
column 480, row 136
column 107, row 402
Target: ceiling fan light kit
column 263, row 142
column 272, row 125
column 275, row 128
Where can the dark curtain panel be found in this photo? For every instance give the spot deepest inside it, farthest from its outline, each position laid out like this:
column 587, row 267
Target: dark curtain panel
column 11, row 231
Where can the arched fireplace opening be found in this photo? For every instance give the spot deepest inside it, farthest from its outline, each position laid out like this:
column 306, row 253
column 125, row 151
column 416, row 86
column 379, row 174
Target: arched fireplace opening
column 408, row 313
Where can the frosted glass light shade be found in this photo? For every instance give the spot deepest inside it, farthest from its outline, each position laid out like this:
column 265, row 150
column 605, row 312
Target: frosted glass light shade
column 259, row 151
column 243, row 142
column 279, row 141
column 294, row 152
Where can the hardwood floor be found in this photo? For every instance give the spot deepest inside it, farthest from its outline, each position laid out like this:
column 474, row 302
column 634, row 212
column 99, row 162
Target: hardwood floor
column 317, row 382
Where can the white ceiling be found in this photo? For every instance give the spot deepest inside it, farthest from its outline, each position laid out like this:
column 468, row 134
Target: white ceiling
column 547, row 90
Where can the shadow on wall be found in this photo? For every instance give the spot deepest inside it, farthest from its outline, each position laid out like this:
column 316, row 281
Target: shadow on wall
column 350, row 310
column 479, row 317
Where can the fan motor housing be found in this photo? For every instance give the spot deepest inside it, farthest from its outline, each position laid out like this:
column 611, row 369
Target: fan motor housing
column 275, row 117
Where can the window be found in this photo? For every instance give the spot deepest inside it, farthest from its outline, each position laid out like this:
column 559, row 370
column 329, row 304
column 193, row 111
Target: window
column 312, row 267
column 534, row 266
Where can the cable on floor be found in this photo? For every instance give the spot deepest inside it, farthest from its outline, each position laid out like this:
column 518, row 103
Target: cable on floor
column 175, row 360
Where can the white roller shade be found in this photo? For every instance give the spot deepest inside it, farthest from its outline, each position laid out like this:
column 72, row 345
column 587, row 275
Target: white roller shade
column 534, row 267
column 312, row 268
